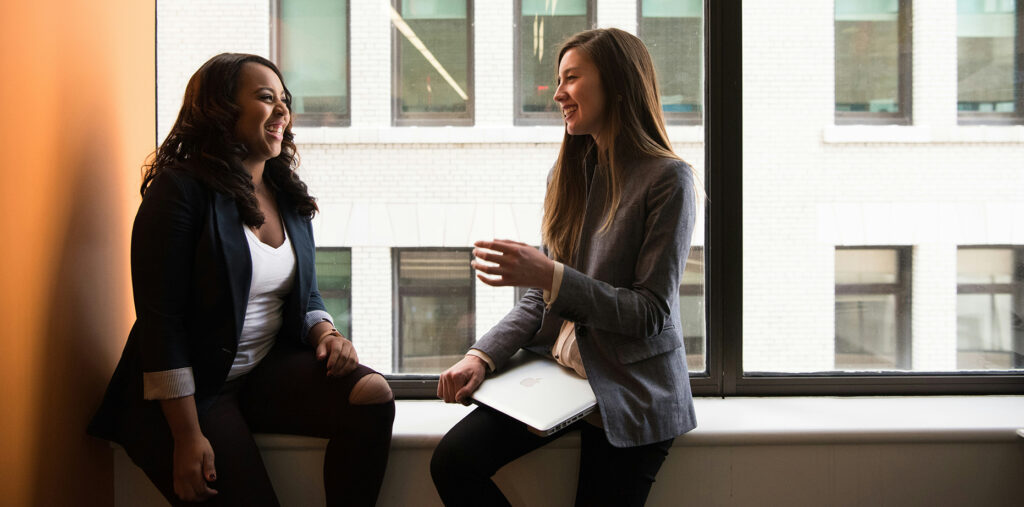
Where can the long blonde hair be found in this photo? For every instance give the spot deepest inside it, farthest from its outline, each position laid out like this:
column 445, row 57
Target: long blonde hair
column 633, row 128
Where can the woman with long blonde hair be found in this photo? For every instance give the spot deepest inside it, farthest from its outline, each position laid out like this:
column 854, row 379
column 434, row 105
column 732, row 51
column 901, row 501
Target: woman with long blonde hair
column 618, row 217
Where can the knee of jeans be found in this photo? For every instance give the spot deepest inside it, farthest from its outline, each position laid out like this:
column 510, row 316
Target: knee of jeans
column 369, row 390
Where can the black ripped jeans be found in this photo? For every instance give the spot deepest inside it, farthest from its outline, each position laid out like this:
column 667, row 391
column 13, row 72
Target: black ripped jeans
column 485, row 440
column 288, row 392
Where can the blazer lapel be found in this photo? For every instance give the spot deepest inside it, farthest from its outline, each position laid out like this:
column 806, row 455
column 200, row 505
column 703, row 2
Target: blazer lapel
column 302, row 245
column 592, row 219
column 237, row 259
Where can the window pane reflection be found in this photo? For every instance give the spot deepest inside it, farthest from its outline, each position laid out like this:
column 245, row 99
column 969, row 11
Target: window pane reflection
column 673, row 31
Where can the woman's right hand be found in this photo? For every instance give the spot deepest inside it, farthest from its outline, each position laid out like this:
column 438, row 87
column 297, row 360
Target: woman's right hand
column 459, row 382
column 193, row 468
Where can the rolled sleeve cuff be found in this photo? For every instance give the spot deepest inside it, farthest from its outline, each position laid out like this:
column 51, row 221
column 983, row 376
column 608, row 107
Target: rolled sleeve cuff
column 482, row 355
column 556, row 282
column 168, row 384
column 313, row 318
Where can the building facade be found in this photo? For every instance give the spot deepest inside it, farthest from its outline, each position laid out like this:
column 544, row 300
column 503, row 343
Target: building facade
column 883, row 181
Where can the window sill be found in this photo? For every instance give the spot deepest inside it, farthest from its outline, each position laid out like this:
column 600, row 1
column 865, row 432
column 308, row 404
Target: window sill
column 766, row 421
column 678, row 134
column 895, row 134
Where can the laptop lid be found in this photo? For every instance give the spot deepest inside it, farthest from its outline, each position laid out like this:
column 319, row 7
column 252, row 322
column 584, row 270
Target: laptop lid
column 537, row 391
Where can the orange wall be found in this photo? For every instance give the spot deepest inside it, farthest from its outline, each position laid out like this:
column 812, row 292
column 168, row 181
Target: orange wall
column 77, row 120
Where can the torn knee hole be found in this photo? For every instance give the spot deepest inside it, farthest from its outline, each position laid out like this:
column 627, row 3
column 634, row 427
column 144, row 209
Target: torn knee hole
column 370, row 389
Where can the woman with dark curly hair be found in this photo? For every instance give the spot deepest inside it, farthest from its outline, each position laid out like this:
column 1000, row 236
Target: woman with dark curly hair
column 231, row 335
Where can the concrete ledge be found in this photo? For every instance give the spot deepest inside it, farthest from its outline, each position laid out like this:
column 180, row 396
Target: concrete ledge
column 907, row 451
column 420, row 424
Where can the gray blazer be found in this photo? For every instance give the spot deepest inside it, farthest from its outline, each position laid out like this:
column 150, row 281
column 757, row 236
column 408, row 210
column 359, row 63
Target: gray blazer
column 623, row 296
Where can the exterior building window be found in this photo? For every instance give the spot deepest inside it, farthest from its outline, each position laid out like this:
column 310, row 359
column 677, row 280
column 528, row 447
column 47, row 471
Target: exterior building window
column 990, row 308
column 990, row 61
column 311, row 46
column 872, row 308
column 432, row 82
column 435, row 313
column 541, row 26
column 872, row 40
column 691, row 310
column 334, row 278
column 673, row 31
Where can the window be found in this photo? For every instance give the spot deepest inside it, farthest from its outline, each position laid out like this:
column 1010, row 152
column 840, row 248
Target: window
column 673, row 31
column 691, row 310
column 872, row 309
column 311, row 48
column 434, row 315
column 990, row 308
column 872, row 44
column 990, row 67
column 334, row 278
column 541, row 26
column 432, row 42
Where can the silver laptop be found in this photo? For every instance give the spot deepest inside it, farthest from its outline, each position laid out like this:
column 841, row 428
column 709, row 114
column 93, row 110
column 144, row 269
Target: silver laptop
column 539, row 392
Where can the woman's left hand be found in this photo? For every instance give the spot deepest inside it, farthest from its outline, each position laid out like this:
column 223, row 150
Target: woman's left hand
column 512, row 263
column 340, row 353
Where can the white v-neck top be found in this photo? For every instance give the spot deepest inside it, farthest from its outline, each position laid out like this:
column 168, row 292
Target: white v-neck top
column 273, row 273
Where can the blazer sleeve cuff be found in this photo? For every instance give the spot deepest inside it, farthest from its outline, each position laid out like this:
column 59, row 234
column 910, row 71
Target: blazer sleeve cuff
column 313, row 318
column 168, row 384
column 556, row 283
column 482, row 355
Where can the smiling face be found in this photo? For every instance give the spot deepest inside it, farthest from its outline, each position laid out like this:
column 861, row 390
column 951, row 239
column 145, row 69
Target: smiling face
column 263, row 114
column 580, row 94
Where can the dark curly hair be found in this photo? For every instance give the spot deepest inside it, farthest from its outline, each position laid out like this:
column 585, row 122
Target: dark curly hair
column 202, row 142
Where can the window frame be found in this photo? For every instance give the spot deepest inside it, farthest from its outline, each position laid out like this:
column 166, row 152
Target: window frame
column 323, row 293
column 526, row 119
column 689, row 118
column 901, row 290
column 316, row 119
column 904, row 69
column 1017, row 116
column 396, row 305
column 723, row 257
column 438, row 119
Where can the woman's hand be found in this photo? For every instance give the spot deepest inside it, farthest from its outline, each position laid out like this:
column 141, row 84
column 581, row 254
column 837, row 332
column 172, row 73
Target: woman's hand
column 340, row 353
column 512, row 263
column 459, row 382
column 193, row 468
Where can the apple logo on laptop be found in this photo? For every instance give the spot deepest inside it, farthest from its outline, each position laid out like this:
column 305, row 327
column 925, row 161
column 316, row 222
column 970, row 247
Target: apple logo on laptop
column 530, row 381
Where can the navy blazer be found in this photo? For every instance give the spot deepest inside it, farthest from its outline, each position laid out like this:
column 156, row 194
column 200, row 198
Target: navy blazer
column 191, row 272
column 623, row 296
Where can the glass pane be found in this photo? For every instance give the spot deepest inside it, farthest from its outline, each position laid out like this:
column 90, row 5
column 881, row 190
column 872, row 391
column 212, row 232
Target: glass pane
column 543, row 25
column 867, row 55
column 334, row 279
column 314, row 55
column 865, row 249
column 433, row 57
column 866, row 332
column 691, row 310
column 673, row 31
column 986, row 33
column 866, row 266
column 436, row 321
column 989, row 308
column 984, row 265
column 984, row 326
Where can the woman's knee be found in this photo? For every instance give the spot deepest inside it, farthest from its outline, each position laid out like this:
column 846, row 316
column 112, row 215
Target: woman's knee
column 369, row 390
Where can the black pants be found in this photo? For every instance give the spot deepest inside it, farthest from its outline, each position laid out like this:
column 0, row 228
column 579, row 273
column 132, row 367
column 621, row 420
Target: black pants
column 485, row 440
column 289, row 392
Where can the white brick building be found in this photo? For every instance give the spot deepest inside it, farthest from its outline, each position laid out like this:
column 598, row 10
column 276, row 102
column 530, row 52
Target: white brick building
column 809, row 185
